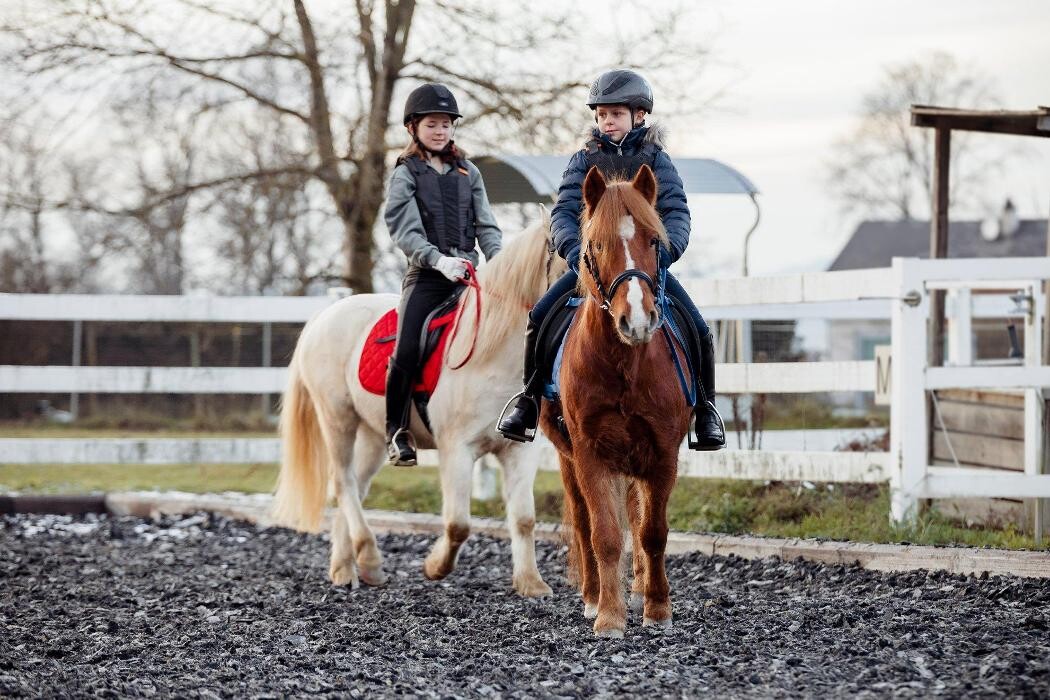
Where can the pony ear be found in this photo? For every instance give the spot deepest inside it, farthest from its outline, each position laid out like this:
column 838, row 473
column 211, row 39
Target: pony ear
column 593, row 188
column 645, row 183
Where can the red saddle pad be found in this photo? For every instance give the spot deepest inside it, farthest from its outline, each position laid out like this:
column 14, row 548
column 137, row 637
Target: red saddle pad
column 376, row 355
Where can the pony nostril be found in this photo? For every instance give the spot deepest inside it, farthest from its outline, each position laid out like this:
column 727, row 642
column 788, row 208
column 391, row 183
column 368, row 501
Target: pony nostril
column 654, row 320
column 625, row 328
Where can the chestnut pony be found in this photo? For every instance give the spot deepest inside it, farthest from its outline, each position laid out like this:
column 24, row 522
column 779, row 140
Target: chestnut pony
column 624, row 410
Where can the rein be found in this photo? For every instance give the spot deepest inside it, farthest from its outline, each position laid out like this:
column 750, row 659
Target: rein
column 471, row 280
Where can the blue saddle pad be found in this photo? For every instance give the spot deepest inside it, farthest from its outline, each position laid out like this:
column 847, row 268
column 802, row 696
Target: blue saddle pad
column 551, row 383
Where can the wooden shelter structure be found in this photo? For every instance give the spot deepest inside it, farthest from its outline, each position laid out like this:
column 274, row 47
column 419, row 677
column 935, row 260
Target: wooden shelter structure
column 944, row 120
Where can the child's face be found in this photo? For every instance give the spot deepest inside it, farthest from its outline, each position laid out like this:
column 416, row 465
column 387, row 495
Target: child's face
column 435, row 131
column 614, row 120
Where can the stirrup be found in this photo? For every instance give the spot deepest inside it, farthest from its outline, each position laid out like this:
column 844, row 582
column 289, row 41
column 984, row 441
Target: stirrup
column 694, row 438
column 529, row 433
column 393, row 452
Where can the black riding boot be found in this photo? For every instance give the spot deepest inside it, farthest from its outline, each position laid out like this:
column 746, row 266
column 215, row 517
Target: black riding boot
column 400, row 445
column 520, row 424
column 710, row 431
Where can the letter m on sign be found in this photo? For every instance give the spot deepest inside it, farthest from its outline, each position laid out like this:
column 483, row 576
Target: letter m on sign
column 883, row 374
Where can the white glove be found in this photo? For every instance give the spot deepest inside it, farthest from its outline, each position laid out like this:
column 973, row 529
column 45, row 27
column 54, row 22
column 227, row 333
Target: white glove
column 453, row 268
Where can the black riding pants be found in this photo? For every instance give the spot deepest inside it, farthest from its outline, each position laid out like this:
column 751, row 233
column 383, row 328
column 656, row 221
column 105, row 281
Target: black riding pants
column 422, row 291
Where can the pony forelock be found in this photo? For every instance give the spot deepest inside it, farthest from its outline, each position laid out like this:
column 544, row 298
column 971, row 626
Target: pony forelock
column 602, row 225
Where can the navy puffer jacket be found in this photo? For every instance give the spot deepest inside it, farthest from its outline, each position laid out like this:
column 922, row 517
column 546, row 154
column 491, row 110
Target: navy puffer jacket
column 670, row 202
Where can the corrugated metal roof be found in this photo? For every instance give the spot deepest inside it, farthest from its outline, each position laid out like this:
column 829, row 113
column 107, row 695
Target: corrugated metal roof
column 517, row 178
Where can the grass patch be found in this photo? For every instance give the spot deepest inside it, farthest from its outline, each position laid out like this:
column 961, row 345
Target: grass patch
column 842, row 512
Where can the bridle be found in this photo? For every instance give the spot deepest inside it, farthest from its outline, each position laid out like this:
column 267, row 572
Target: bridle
column 670, row 330
column 606, row 296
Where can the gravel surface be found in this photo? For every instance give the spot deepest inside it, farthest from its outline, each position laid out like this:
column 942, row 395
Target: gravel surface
column 204, row 607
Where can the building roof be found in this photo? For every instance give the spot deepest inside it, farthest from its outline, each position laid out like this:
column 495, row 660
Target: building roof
column 876, row 243
column 516, row 178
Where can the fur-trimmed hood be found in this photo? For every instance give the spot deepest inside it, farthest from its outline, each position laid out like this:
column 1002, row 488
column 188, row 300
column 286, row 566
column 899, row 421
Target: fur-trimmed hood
column 654, row 132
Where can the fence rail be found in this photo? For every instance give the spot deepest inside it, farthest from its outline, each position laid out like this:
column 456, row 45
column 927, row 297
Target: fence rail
column 900, row 293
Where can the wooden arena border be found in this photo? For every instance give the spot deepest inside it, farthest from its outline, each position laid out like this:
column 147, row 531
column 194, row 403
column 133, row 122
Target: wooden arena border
column 877, row 557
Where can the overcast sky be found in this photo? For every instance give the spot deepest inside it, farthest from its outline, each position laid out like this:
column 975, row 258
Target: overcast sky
column 797, row 71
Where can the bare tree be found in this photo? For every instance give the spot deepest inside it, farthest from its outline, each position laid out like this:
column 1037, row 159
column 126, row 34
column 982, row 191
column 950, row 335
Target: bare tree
column 884, row 167
column 330, row 74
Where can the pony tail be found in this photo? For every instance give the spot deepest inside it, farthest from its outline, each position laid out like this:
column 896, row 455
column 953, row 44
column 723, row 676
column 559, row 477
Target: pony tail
column 302, row 484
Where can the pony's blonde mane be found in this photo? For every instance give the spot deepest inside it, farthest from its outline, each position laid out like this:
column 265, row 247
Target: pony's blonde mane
column 512, row 282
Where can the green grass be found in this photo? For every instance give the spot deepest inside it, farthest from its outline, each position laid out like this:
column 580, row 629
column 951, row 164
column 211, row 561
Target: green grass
column 842, row 512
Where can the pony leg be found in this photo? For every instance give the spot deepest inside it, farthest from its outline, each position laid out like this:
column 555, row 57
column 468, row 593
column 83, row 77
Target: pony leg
column 339, row 444
column 601, row 493
column 457, row 468
column 581, row 556
column 519, row 476
column 369, row 451
column 657, row 608
column 634, row 514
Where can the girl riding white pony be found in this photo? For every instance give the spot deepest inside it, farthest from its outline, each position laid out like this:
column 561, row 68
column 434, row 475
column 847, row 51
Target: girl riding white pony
column 333, row 430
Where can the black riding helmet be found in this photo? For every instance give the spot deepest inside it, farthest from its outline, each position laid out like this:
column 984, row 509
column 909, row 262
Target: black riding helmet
column 430, row 98
column 621, row 87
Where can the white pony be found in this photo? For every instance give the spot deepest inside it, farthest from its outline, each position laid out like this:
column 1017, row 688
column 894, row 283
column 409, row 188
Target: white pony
column 332, row 429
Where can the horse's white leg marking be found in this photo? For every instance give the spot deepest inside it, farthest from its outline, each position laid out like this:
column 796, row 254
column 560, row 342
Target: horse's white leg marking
column 519, row 475
column 457, row 466
column 637, row 315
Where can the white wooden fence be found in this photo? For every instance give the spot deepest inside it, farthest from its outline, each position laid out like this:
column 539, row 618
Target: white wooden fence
column 900, row 293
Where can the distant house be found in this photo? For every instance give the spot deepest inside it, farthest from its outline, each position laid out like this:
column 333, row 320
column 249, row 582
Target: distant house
column 876, row 243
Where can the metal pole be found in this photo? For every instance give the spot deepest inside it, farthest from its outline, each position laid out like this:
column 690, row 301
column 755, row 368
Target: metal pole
column 78, row 334
column 267, row 338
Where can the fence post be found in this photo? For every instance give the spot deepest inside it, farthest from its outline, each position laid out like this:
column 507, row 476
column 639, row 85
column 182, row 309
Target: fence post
column 1035, row 407
column 909, row 436
column 267, row 344
column 960, row 327
column 74, row 398
column 484, row 487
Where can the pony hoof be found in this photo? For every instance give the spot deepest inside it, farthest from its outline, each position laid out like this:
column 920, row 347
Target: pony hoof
column 664, row 624
column 344, row 575
column 590, row 610
column 373, row 577
column 435, row 570
column 532, row 587
column 637, row 602
column 611, row 633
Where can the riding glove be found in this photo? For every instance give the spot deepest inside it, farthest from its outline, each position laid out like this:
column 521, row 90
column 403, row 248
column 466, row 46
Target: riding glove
column 454, row 269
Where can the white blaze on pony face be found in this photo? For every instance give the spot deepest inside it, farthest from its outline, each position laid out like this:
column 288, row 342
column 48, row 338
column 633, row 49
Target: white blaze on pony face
column 637, row 318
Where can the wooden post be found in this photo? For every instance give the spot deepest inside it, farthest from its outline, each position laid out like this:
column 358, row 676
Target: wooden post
column 939, row 238
column 942, row 150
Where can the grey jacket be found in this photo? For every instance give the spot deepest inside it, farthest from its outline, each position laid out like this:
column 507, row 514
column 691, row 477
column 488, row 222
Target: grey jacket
column 406, row 225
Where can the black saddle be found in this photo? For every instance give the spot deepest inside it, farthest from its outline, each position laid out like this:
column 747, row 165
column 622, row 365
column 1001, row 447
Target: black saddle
column 430, row 337
column 552, row 336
